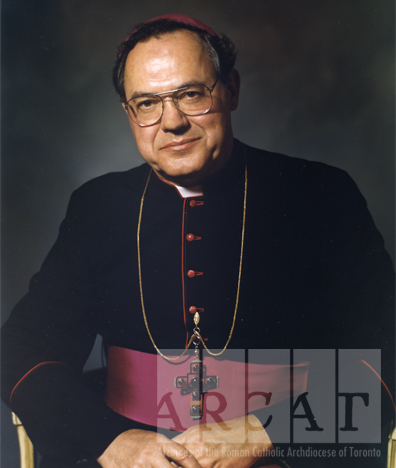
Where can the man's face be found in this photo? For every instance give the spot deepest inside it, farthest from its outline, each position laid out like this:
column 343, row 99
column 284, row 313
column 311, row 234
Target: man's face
column 183, row 150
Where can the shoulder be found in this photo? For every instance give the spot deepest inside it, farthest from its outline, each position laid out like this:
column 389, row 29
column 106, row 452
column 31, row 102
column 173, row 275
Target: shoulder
column 116, row 182
column 111, row 194
column 297, row 175
column 265, row 161
column 301, row 187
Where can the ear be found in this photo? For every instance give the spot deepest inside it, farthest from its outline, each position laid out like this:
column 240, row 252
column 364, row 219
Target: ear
column 233, row 85
column 124, row 106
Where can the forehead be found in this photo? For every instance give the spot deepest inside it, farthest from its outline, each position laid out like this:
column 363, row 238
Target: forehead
column 166, row 62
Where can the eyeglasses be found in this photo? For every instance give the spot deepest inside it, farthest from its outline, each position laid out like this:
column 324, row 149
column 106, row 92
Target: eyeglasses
column 190, row 100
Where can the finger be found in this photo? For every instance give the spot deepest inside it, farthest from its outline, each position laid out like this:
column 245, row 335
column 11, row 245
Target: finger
column 178, row 454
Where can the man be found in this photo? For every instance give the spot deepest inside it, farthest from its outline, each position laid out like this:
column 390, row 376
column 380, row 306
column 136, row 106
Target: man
column 210, row 244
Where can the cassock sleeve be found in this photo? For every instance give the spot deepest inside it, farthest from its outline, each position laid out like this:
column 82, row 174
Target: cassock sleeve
column 356, row 282
column 45, row 344
column 361, row 289
column 358, row 277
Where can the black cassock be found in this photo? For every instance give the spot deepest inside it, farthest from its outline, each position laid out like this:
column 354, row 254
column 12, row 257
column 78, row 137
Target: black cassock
column 314, row 275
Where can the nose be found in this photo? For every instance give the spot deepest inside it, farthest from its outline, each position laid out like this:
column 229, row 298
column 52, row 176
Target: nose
column 173, row 120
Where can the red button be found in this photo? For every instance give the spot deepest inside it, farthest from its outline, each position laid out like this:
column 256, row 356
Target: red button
column 192, row 309
column 191, row 273
column 193, row 203
column 190, row 237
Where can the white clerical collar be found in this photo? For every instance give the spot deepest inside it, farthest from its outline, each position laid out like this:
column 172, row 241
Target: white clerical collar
column 186, row 192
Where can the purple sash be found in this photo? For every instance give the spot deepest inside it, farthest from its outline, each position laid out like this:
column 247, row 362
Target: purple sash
column 141, row 387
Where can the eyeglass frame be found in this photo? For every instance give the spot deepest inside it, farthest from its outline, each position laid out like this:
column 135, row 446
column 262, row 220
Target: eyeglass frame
column 173, row 101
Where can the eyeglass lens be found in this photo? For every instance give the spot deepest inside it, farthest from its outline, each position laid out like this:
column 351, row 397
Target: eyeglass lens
column 147, row 110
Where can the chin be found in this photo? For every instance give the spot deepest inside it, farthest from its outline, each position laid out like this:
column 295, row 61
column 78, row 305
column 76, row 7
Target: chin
column 185, row 179
column 192, row 175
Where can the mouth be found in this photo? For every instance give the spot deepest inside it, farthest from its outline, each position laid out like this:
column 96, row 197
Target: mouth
column 180, row 145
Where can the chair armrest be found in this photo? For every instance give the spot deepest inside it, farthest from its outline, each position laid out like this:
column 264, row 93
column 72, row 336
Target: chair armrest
column 391, row 463
column 25, row 445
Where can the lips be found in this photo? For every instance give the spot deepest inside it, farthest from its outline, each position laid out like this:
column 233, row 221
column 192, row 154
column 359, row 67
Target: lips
column 180, row 145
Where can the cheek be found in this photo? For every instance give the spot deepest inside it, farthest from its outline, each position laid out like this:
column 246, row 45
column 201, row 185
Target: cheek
column 144, row 138
column 210, row 124
column 215, row 128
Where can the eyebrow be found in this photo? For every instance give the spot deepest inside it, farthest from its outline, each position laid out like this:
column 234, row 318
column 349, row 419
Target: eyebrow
column 186, row 84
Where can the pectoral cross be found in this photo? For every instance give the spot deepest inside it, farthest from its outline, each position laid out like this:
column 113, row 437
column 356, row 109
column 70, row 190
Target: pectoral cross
column 196, row 383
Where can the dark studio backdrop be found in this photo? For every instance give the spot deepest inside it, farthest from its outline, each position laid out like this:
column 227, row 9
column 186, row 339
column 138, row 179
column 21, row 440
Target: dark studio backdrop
column 317, row 83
